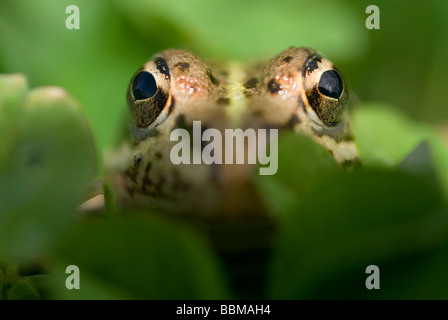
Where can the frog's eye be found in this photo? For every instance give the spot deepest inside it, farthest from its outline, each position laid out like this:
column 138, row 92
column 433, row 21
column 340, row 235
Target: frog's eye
column 144, row 86
column 324, row 90
column 330, row 84
column 148, row 94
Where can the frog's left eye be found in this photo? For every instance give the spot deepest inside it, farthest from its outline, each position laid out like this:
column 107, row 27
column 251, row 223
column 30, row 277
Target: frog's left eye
column 144, row 86
column 325, row 90
column 330, row 84
column 148, row 93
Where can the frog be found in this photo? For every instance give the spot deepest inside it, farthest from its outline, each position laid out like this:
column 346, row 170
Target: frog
column 298, row 90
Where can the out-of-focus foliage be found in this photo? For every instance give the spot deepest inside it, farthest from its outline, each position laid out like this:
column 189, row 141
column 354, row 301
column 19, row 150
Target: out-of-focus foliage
column 138, row 258
column 331, row 224
column 48, row 157
column 402, row 64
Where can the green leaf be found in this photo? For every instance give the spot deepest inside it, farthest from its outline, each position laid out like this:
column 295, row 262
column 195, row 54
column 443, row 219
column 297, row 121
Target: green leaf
column 29, row 288
column 50, row 158
column 13, row 88
column 242, row 28
column 419, row 276
column 353, row 220
column 302, row 163
column 97, row 76
column 138, row 258
column 385, row 137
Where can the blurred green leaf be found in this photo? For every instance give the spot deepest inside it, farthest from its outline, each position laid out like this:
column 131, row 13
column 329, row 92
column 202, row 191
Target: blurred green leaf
column 353, row 220
column 12, row 90
column 29, row 288
column 419, row 276
column 50, row 158
column 145, row 258
column 334, row 224
column 302, row 163
column 94, row 63
column 405, row 64
column 385, row 137
column 235, row 29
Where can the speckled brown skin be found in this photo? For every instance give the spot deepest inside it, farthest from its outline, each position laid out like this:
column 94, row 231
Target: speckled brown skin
column 283, row 95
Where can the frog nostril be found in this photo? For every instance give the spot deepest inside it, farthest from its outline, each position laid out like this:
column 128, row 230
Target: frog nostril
column 330, row 84
column 144, row 86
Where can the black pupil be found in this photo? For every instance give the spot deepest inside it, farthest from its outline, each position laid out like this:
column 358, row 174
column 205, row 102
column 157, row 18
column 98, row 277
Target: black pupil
column 144, row 86
column 330, row 84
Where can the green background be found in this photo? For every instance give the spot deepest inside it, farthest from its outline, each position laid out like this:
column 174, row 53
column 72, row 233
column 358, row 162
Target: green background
column 403, row 64
column 331, row 224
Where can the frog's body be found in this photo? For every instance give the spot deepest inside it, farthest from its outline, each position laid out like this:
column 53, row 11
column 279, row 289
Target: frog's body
column 298, row 90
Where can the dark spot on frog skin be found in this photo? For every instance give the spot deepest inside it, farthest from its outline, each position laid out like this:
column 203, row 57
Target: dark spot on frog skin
column 293, row 121
column 212, row 78
column 182, row 66
column 152, row 188
column 147, row 183
column 251, row 83
column 180, row 121
column 273, row 86
column 159, row 155
column 311, row 64
column 132, row 172
column 223, row 101
column 162, row 66
column 286, row 59
column 257, row 113
column 148, row 167
column 160, row 184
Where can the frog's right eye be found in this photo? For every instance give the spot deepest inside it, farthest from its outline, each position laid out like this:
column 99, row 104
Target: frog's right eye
column 144, row 86
column 148, row 94
column 325, row 90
